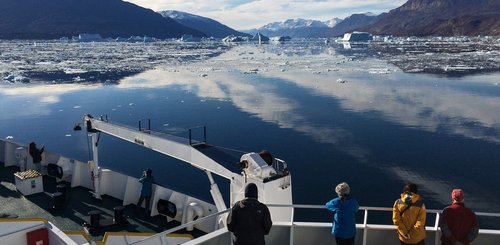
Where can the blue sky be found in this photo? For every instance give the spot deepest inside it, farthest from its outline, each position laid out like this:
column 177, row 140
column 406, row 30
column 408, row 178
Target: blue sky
column 247, row 14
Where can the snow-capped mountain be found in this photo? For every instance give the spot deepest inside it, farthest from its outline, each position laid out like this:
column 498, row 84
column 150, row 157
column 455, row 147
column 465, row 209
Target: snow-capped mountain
column 298, row 23
column 206, row 25
column 297, row 28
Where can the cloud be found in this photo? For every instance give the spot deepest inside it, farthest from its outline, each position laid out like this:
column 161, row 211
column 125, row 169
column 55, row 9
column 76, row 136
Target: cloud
column 243, row 14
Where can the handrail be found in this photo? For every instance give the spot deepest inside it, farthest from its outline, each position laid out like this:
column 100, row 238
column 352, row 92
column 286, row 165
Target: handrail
column 182, row 226
column 364, row 225
column 312, row 206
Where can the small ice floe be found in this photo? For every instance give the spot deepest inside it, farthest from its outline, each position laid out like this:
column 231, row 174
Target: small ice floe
column 496, row 84
column 9, row 137
column 16, row 79
column 340, row 80
column 77, row 107
column 252, row 71
column 130, row 104
column 78, row 79
column 379, row 71
column 166, row 124
column 67, row 135
column 21, row 79
column 9, row 78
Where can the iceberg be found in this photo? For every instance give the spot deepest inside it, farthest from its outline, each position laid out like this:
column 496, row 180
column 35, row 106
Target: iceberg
column 357, row 37
column 260, row 38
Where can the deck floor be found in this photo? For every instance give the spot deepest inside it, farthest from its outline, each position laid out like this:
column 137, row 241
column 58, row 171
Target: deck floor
column 76, row 210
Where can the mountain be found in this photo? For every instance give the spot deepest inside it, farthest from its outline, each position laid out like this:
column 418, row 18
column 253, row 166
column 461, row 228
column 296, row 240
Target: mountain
column 208, row 26
column 48, row 19
column 354, row 22
column 440, row 17
column 297, row 28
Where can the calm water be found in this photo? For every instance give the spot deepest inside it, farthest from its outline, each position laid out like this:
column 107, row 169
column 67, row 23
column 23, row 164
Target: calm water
column 378, row 129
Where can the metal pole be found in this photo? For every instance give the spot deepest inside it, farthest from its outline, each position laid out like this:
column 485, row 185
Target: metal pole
column 365, row 221
column 436, row 226
column 95, row 174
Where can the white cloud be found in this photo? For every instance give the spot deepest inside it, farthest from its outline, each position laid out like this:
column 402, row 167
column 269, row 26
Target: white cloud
column 252, row 14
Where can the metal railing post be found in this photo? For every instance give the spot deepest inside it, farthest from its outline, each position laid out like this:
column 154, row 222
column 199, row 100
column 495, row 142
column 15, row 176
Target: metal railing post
column 437, row 239
column 365, row 231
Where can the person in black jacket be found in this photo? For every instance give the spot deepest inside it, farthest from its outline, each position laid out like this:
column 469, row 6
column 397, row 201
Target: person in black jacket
column 249, row 220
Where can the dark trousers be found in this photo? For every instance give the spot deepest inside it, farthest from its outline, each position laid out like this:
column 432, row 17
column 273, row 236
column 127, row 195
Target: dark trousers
column 346, row 241
column 139, row 203
column 418, row 243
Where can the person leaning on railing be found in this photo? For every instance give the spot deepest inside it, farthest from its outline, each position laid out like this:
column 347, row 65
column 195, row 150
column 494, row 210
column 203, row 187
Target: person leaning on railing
column 458, row 223
column 344, row 208
column 408, row 214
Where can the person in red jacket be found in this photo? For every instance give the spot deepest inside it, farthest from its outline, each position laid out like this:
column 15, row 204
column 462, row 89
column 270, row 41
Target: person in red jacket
column 458, row 224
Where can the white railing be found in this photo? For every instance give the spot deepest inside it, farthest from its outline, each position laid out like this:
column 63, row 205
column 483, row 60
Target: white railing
column 365, row 226
column 373, row 226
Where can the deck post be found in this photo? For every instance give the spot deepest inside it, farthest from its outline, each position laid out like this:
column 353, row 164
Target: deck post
column 437, row 239
column 216, row 195
column 95, row 171
column 365, row 221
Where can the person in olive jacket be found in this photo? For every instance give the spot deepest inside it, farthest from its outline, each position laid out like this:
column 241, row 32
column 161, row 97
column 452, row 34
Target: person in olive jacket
column 249, row 220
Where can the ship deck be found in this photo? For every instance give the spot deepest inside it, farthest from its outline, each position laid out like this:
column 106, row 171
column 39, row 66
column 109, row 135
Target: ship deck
column 75, row 213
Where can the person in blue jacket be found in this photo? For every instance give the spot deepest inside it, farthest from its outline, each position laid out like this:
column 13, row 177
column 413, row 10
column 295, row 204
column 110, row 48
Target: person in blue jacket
column 147, row 181
column 344, row 208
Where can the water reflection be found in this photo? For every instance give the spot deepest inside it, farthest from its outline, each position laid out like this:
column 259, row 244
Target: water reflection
column 303, row 94
column 17, row 102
